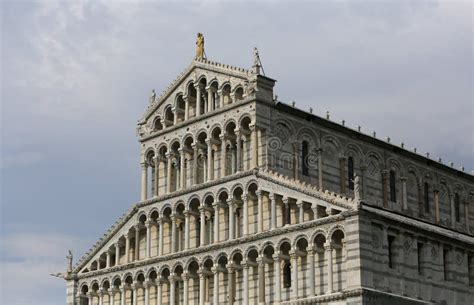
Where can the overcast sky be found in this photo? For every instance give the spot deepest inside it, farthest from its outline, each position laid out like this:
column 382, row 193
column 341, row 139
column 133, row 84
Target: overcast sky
column 76, row 77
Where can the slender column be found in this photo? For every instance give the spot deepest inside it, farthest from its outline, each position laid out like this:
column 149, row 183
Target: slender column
column 273, row 217
column 231, row 219
column 198, row 101
column 148, row 239
column 175, row 115
column 168, row 173
column 182, row 174
column 286, row 211
column 215, row 270
column 202, row 237
column 385, row 187
column 436, row 203
column 159, row 292
column 160, row 238
column 342, row 174
column 466, row 215
column 328, row 248
column 127, row 248
column 246, row 214
column 210, row 161
column 122, row 295
column 137, row 242
column 185, row 277
column 147, row 292
column 216, row 220
column 254, row 145
column 300, row 206
column 134, row 294
column 453, row 218
column 117, row 254
column 101, row 297
column 157, row 176
column 277, row 267
column 171, row 278
column 107, row 259
column 112, row 297
column 210, row 101
column 294, row 270
column 363, row 169
column 202, row 286
column 173, row 233
column 260, row 211
column 312, row 284
column 231, row 284
column 238, row 143
column 320, row 168
column 223, row 155
column 195, row 163
column 245, row 296
column 186, row 108
column 261, row 281
column 186, row 230
column 404, row 193
column 296, row 158
column 221, row 99
column 144, row 181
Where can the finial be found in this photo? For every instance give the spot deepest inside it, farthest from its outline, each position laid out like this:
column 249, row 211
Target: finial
column 439, row 160
column 388, row 139
column 414, row 149
column 257, row 63
column 374, row 134
column 69, row 261
column 293, row 104
column 462, row 168
column 327, row 115
column 343, row 122
column 359, row 128
column 200, row 53
column 402, row 145
column 310, row 110
column 451, row 163
column 152, row 96
column 276, row 97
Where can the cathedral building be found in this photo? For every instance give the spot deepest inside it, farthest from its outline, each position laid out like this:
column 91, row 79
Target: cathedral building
column 249, row 200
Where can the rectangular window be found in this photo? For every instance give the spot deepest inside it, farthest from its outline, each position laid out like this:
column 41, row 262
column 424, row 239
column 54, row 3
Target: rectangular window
column 391, row 252
column 445, row 264
column 420, row 258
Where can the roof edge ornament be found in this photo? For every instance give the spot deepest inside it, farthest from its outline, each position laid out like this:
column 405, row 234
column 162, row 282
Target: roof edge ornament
column 257, row 63
column 200, row 53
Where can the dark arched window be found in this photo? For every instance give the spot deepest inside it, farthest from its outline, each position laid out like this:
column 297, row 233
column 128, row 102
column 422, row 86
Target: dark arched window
column 287, row 275
column 426, row 193
column 456, row 206
column 304, row 158
column 393, row 190
column 350, row 172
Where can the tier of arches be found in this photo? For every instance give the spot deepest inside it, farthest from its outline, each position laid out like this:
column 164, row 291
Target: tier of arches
column 275, row 272
column 199, row 97
column 213, row 218
column 385, row 179
column 201, row 157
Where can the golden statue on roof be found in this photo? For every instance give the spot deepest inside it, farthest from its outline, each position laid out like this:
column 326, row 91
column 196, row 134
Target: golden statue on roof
column 200, row 54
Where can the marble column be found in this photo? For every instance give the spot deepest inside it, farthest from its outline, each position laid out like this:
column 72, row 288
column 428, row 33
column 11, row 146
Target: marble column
column 404, row 193
column 363, row 169
column 436, row 204
column 202, row 286
column 195, row 163
column 273, row 220
column 254, row 145
column 144, row 190
column 172, row 279
column 466, row 215
column 328, row 252
column 296, row 158
column 245, row 214
column 320, row 168
column 216, row 220
column 261, row 281
column 175, row 115
column 117, row 254
column 186, row 107
column 159, row 292
column 173, row 233
column 186, row 230
column 223, row 155
column 300, row 206
column 286, row 211
column 148, row 240
column 231, row 283
column 385, row 188
column 101, row 297
column 215, row 270
column 260, row 211
column 134, row 294
column 182, row 172
column 161, row 235
column 185, row 277
column 198, row 99
column 210, row 161
column 238, row 144
column 230, row 203
column 127, row 248
column 294, row 270
column 168, row 173
column 122, row 295
column 107, row 259
column 156, row 177
column 202, row 237
column 112, row 296
column 453, row 217
column 312, row 284
column 137, row 243
column 277, row 267
column 245, row 292
column 146, row 287
column 210, row 99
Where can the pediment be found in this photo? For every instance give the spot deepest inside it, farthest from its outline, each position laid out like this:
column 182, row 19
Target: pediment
column 200, row 71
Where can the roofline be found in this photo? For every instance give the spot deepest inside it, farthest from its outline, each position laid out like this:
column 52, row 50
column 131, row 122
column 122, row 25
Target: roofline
column 367, row 138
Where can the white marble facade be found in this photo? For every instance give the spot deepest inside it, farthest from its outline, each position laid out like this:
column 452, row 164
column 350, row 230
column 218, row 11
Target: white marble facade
column 248, row 200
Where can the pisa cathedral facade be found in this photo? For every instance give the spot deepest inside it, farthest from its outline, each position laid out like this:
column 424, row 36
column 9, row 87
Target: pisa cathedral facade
column 249, row 200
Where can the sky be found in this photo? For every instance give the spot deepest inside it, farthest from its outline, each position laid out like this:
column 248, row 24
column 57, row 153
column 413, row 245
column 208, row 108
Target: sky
column 76, row 77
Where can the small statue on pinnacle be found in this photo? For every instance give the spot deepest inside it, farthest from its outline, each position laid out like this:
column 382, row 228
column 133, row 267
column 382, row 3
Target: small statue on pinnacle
column 200, row 54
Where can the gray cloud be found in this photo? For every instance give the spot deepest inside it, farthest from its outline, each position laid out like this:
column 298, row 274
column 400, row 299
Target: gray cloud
column 76, row 77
